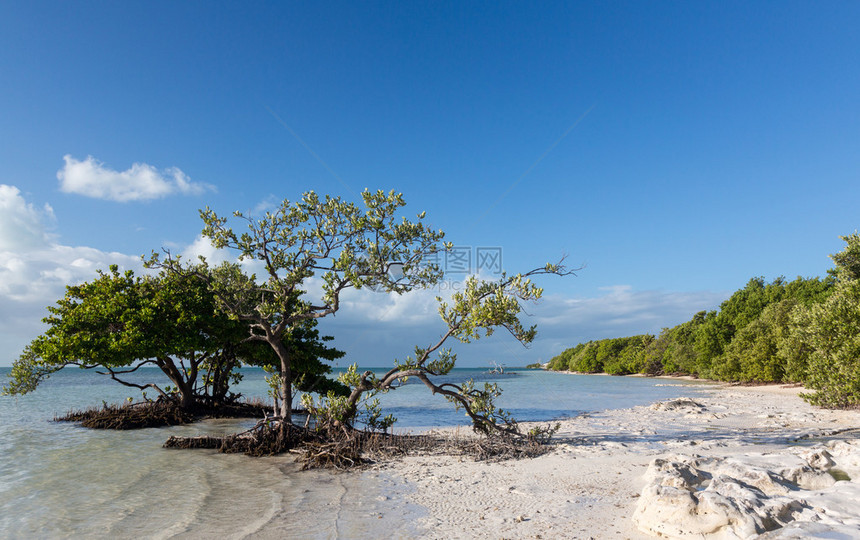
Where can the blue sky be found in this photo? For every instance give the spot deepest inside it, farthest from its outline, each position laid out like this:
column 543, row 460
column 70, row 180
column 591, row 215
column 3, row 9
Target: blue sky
column 676, row 149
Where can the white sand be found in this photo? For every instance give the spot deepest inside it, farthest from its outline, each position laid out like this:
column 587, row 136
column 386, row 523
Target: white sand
column 589, row 487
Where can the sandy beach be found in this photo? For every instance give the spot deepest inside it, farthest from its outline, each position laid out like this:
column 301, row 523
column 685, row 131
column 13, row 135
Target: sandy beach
column 734, row 462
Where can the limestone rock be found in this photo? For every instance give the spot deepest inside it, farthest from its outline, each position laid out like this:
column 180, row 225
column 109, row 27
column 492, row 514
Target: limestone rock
column 683, row 404
column 693, row 497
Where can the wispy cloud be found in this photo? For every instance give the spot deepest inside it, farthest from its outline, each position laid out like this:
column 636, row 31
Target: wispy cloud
column 269, row 204
column 141, row 182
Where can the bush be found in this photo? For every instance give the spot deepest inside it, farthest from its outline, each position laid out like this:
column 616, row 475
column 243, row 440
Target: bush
column 832, row 333
column 754, row 355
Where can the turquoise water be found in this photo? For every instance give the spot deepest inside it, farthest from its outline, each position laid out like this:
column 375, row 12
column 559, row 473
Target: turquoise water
column 60, row 480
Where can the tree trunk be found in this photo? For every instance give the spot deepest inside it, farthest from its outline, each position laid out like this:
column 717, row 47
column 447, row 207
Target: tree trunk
column 286, row 382
column 186, row 401
column 352, row 401
column 185, row 387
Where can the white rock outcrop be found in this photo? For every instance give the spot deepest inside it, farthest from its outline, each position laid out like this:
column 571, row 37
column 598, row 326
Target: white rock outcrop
column 787, row 495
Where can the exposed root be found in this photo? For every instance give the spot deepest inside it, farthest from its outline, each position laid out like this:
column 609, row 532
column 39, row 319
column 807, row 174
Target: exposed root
column 204, row 441
column 346, row 449
column 240, row 409
column 130, row 416
column 157, row 414
column 342, row 454
column 267, row 438
column 332, row 448
column 503, row 448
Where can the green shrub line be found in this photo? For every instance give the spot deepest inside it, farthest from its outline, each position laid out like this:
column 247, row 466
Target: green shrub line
column 802, row 331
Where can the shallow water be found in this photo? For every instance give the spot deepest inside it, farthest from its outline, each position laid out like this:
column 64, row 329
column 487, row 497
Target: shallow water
column 59, row 480
column 530, row 395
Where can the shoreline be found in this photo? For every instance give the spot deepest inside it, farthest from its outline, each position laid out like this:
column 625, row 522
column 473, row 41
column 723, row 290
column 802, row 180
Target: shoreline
column 601, row 480
column 590, row 485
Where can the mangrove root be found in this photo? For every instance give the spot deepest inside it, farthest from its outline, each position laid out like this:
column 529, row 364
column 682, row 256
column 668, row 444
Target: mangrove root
column 158, row 414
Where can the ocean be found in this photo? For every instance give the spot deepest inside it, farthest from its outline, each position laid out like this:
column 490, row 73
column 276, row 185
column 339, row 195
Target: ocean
column 58, row 480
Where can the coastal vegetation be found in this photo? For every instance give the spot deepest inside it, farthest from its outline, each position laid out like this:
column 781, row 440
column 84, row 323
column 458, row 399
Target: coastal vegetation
column 476, row 311
column 802, row 331
column 339, row 243
column 119, row 323
column 198, row 324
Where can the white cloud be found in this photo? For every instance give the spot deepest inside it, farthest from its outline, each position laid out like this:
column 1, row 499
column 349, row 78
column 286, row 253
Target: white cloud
column 375, row 328
column 418, row 307
column 34, row 269
column 141, row 182
column 202, row 247
column 22, row 226
column 621, row 311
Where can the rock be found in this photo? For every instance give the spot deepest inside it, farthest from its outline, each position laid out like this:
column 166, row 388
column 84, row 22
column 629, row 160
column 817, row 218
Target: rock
column 675, row 471
column 693, row 497
column 760, row 478
column 847, row 456
column 806, row 530
column 673, row 511
column 790, row 495
column 818, row 458
column 679, row 404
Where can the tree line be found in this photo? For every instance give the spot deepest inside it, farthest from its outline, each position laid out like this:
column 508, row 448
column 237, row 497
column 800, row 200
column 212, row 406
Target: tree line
column 802, row 331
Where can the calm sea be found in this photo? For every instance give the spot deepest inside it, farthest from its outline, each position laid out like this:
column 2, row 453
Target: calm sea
column 58, row 480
